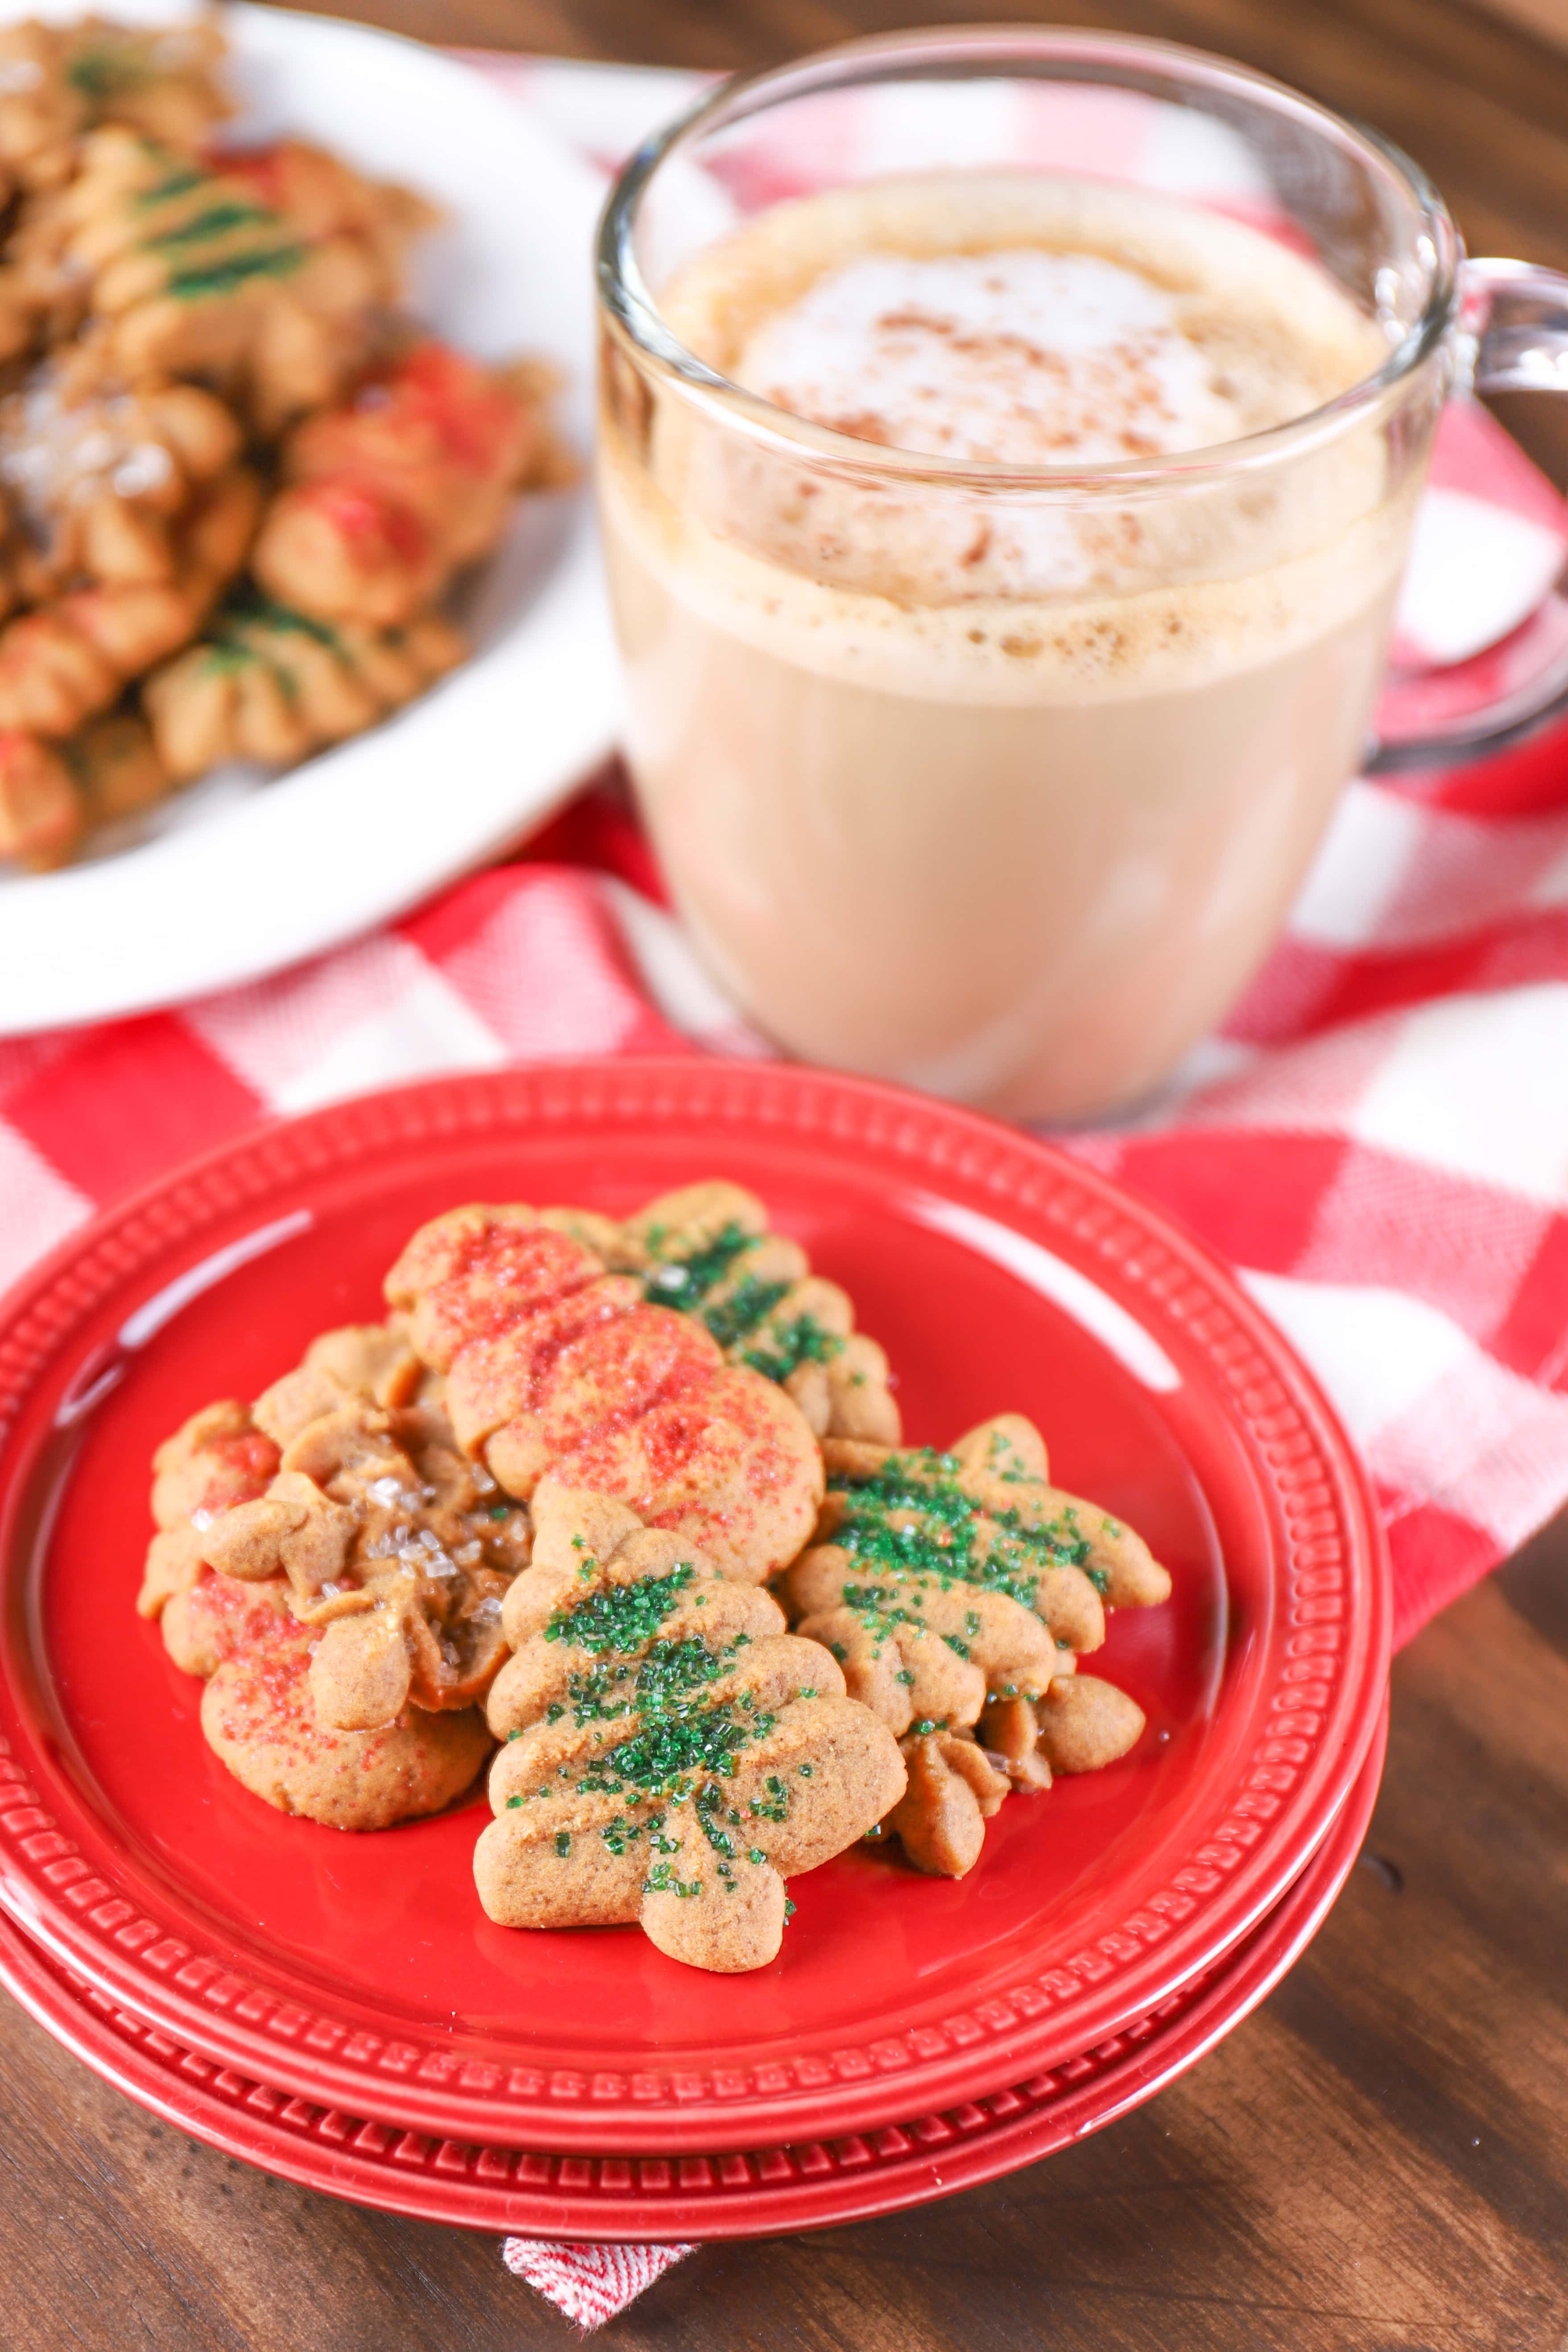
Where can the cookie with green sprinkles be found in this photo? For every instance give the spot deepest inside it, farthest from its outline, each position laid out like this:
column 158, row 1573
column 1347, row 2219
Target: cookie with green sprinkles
column 958, row 1591
column 671, row 1754
column 265, row 274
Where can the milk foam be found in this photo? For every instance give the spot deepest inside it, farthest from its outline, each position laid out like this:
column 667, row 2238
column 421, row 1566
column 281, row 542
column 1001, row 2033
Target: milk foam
column 1076, row 313
column 1024, row 358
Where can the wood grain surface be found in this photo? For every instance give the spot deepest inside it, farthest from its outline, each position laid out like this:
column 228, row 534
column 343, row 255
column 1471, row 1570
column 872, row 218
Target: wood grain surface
column 1376, row 2161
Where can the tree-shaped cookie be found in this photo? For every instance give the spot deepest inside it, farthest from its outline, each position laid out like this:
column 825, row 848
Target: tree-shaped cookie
column 672, row 1756
column 708, row 1250
column 958, row 1591
column 555, row 1368
column 264, row 682
column 265, row 274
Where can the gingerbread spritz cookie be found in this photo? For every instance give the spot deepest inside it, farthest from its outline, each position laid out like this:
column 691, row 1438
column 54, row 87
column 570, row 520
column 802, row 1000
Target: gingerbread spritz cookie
column 708, row 1251
column 958, row 1591
column 334, row 1567
column 557, row 1368
column 260, row 1719
column 672, row 1755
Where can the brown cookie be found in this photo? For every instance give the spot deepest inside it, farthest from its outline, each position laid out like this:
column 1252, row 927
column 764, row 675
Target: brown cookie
column 259, row 1719
column 336, row 1567
column 671, row 1754
column 958, row 1591
column 555, row 1366
column 392, row 1544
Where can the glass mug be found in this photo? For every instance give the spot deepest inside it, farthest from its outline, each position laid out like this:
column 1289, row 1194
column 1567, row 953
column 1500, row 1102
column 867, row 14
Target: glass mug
column 995, row 778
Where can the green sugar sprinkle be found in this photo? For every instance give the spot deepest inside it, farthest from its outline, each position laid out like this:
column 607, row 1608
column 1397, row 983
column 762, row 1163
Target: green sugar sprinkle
column 102, row 75
column 218, row 220
column 684, row 1283
column 669, row 1751
column 708, row 1803
column 178, row 184
column 790, row 1345
column 621, row 1617
column 1005, row 1462
column 912, row 1526
column 773, row 1804
column 749, row 1304
column 662, row 1880
column 664, row 1680
column 228, row 660
column 620, row 1833
column 680, row 1740
column 198, row 284
column 247, row 610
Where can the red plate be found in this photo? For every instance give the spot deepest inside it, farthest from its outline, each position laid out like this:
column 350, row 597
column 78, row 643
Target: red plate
column 360, row 1971
column 704, row 2197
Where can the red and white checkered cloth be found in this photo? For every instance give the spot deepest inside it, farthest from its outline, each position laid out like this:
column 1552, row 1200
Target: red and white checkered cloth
column 1378, row 1140
column 589, row 2283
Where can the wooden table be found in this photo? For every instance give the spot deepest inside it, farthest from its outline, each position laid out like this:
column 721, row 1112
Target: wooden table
column 1377, row 2161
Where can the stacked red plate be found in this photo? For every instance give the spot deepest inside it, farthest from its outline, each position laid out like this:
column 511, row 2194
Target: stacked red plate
column 339, row 2009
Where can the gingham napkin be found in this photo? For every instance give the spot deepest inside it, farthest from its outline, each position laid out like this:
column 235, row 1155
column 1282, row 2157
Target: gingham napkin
column 1378, row 1140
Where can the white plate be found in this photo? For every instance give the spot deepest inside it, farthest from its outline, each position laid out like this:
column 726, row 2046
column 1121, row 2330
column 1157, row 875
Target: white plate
column 241, row 875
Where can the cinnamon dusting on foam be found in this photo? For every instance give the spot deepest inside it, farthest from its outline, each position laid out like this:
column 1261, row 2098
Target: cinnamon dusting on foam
column 1030, row 321
column 1021, row 358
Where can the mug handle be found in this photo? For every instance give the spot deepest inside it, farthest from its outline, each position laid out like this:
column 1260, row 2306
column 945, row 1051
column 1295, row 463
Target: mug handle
column 1512, row 337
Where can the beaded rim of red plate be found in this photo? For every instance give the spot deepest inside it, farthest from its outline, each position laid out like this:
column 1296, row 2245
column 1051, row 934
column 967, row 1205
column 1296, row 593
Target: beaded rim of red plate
column 1317, row 1706
column 706, row 2196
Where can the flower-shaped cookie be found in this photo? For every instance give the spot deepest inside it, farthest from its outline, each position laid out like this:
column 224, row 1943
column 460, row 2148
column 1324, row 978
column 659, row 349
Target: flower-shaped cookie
column 101, row 476
column 303, row 1708
column 394, row 1547
column 672, row 1756
column 556, row 1370
column 958, row 1591
column 260, row 1718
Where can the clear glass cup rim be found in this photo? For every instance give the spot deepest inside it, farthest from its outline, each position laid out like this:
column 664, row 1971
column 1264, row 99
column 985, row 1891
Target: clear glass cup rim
column 631, row 307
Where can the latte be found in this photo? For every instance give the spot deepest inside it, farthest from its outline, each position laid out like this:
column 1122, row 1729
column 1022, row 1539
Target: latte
column 997, row 776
